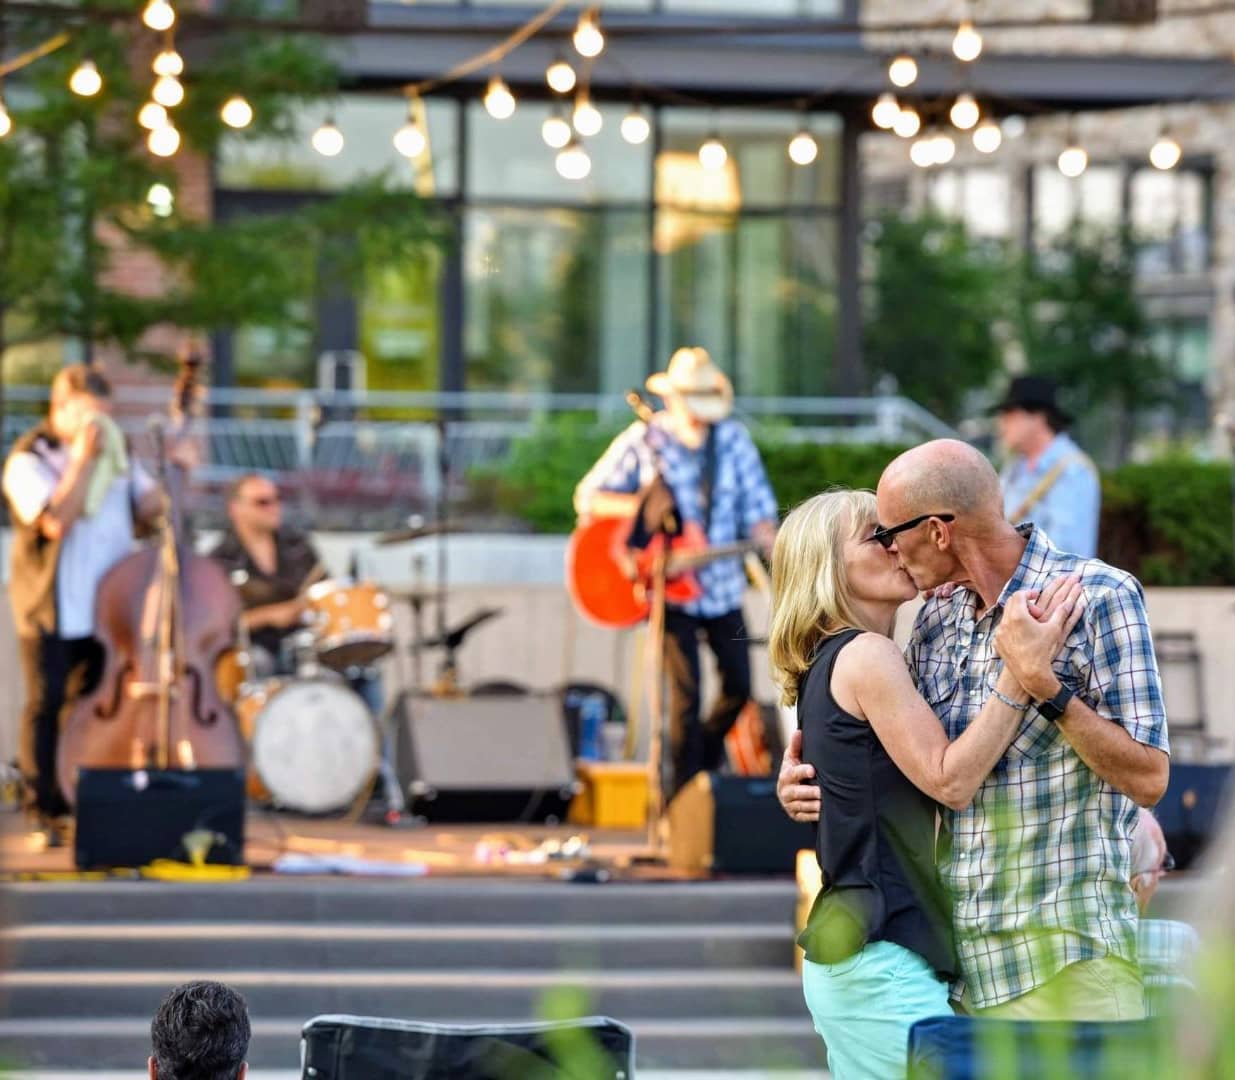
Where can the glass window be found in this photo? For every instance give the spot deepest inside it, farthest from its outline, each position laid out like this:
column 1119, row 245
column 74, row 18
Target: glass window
column 270, row 357
column 819, row 8
column 368, row 124
column 556, row 299
column 979, row 198
column 398, row 324
column 759, row 292
column 757, row 171
column 1170, row 218
column 1093, row 198
column 508, row 158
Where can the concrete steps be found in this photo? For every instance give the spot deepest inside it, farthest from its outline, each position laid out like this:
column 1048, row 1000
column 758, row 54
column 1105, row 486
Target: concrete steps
column 702, row 972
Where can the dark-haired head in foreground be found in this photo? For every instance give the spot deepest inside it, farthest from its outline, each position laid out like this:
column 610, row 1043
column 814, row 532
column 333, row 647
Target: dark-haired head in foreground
column 201, row 1032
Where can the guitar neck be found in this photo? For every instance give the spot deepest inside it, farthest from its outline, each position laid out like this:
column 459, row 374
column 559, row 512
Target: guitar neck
column 693, row 559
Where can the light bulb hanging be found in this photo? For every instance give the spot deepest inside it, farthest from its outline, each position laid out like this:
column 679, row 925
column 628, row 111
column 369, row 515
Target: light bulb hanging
column 885, row 111
column 1073, row 161
column 152, row 115
column 903, row 71
column 964, row 112
column 573, row 162
column 6, row 121
column 908, row 123
column 561, row 77
column 802, row 148
column 712, row 154
column 159, row 15
column 168, row 62
column 236, row 112
column 922, row 152
column 163, row 141
column 162, row 200
column 943, row 148
column 635, row 127
column 327, row 140
column 587, row 38
column 587, row 119
column 86, row 80
column 987, row 137
column 168, row 91
column 556, row 131
column 410, row 140
column 499, row 101
column 1166, row 153
column 967, row 44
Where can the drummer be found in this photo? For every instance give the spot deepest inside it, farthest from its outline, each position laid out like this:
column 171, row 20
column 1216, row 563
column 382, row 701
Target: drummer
column 272, row 566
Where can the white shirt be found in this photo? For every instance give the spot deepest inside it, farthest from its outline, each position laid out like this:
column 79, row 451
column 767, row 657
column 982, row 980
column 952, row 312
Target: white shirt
column 92, row 546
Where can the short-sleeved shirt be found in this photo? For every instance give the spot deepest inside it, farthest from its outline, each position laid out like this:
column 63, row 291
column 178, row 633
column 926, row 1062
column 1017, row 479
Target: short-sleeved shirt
column 741, row 494
column 1068, row 510
column 92, row 545
column 1038, row 864
column 296, row 561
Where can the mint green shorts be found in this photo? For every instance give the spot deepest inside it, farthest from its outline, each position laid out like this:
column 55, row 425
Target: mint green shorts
column 864, row 1006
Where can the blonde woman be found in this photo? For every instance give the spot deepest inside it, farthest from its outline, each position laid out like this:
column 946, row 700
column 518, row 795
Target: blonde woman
column 878, row 942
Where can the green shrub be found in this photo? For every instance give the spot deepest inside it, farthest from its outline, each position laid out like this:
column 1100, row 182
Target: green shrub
column 1169, row 523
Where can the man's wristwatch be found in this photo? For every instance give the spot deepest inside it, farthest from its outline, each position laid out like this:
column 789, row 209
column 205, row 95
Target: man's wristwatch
column 1053, row 708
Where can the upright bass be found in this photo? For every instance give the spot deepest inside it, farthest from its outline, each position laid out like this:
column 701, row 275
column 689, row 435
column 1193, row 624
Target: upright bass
column 164, row 614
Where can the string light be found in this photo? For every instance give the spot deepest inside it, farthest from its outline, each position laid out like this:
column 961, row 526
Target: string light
column 573, row 162
column 967, row 45
column 164, row 141
column 712, row 154
column 6, row 121
column 561, row 76
column 159, row 15
column 86, row 80
column 587, row 119
column 903, row 71
column 802, row 148
column 499, row 101
column 635, row 127
column 327, row 140
column 908, row 123
column 161, row 199
column 556, row 131
column 1073, row 161
column 965, row 112
column 587, row 38
column 168, row 62
column 152, row 115
column 943, row 148
column 922, row 153
column 409, row 140
column 987, row 137
column 168, row 91
column 1165, row 153
column 236, row 112
column 885, row 111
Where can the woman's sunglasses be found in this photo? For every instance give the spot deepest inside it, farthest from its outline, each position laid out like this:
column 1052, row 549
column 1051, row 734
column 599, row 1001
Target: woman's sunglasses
column 884, row 537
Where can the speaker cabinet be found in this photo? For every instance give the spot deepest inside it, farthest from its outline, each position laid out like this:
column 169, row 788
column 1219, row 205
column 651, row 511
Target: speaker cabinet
column 130, row 817
column 734, row 825
column 499, row 758
column 1192, row 808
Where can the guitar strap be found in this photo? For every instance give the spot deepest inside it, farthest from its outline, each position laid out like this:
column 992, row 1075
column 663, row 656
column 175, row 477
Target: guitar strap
column 709, row 478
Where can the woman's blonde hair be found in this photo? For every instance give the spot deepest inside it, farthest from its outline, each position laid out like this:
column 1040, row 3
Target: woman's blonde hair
column 810, row 590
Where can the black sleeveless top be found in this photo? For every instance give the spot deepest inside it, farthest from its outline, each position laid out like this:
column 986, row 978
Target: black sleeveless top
column 876, row 837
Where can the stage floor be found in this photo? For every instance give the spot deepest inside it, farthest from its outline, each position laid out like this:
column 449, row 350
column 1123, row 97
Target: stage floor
column 281, row 842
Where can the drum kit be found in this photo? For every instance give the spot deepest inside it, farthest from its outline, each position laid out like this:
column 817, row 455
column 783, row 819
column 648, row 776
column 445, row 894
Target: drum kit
column 315, row 746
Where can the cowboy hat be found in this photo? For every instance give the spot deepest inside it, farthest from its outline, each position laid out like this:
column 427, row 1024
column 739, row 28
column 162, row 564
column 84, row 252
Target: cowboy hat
column 1033, row 393
column 691, row 375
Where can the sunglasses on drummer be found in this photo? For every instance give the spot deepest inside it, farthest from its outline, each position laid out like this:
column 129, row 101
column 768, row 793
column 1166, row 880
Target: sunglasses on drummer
column 265, row 501
column 884, row 536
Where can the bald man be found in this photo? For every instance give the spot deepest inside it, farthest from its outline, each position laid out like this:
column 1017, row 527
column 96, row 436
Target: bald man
column 1039, row 863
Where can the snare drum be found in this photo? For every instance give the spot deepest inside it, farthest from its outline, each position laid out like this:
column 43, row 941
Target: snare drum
column 352, row 622
column 313, row 743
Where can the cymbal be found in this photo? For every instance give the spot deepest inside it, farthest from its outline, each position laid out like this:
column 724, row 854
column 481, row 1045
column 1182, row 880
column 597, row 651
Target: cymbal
column 404, row 536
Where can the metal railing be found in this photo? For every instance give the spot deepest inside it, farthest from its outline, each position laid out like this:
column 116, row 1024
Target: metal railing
column 370, row 458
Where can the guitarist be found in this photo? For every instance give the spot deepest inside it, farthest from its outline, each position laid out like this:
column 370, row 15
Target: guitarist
column 695, row 456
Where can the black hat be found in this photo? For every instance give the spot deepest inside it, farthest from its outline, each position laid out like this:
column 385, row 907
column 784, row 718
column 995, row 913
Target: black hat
column 1033, row 393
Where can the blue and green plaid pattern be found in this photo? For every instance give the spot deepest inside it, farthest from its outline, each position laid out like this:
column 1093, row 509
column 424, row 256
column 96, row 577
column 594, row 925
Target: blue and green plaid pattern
column 741, row 495
column 1039, row 863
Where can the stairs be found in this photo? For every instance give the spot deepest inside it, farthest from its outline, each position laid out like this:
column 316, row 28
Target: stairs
column 701, row 971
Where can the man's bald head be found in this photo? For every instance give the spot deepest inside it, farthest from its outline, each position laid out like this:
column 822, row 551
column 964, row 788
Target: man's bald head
column 938, row 477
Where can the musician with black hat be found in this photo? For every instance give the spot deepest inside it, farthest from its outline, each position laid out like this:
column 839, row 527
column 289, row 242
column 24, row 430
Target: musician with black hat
column 1048, row 478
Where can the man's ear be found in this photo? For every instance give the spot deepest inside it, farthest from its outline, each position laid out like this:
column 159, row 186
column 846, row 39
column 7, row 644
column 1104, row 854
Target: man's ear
column 153, row 1068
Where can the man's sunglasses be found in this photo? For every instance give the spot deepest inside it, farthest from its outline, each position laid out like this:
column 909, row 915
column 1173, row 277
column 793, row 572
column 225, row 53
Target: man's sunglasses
column 265, row 501
column 884, row 537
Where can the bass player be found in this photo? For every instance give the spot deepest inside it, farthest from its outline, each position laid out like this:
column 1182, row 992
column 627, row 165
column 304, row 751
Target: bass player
column 710, row 469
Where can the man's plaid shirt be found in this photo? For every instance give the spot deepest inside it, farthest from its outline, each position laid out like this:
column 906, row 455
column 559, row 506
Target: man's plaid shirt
column 1038, row 864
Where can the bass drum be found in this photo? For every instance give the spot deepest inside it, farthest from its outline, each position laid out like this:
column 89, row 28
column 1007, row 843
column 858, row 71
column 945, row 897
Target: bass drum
column 314, row 745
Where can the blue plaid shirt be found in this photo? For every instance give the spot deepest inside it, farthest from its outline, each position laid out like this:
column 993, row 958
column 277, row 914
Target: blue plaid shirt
column 741, row 495
column 1039, row 863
